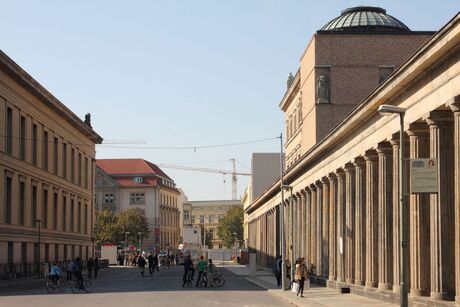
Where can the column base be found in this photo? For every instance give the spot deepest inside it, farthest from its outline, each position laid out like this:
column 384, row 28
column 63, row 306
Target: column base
column 371, row 284
column 350, row 281
column 396, row 289
column 384, row 286
column 438, row 296
column 359, row 282
column 331, row 278
column 457, row 300
column 417, row 292
column 339, row 279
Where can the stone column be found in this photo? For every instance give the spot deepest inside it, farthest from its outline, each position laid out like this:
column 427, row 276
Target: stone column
column 340, row 224
column 360, row 221
column 302, row 224
column 419, row 217
column 442, row 205
column 371, row 218
column 308, row 227
column 385, row 213
column 332, row 227
column 319, row 233
column 313, row 227
column 455, row 106
column 325, row 228
column 349, row 223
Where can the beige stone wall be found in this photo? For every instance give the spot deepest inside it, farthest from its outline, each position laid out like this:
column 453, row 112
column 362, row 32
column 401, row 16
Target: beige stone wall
column 58, row 227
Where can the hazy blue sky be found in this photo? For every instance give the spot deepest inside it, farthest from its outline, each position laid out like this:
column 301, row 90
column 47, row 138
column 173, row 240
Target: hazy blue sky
column 180, row 73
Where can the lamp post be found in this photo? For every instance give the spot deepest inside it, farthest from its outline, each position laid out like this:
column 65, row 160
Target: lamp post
column 38, row 222
column 291, row 235
column 390, row 110
column 140, row 241
column 126, row 247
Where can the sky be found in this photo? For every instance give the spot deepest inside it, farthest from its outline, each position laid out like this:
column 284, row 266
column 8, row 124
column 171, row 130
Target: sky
column 173, row 73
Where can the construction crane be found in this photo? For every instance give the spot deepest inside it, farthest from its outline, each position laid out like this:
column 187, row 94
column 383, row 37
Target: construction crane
column 233, row 172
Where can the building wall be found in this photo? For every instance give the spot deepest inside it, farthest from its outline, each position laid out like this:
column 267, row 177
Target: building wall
column 344, row 215
column 64, row 234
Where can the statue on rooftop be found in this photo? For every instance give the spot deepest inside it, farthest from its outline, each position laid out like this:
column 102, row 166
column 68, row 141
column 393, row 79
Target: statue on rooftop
column 88, row 119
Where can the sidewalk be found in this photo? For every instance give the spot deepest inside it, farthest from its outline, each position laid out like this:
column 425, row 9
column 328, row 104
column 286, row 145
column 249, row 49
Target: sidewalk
column 315, row 296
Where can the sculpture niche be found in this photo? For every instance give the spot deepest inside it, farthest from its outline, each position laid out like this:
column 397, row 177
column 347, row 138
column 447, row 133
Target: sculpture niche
column 322, row 89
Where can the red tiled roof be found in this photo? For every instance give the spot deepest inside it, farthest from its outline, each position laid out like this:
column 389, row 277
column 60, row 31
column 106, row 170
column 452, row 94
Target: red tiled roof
column 129, row 167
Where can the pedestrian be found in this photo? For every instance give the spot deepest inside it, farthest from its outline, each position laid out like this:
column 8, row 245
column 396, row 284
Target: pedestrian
column 279, row 264
column 151, row 262
column 201, row 270
column 89, row 267
column 96, row 267
column 141, row 264
column 155, row 259
column 300, row 275
column 188, row 266
column 69, row 270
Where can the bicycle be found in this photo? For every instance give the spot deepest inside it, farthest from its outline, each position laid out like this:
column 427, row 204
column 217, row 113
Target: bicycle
column 76, row 288
column 52, row 286
column 219, row 280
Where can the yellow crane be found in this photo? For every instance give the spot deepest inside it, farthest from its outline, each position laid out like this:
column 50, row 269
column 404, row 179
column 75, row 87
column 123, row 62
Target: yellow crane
column 233, row 172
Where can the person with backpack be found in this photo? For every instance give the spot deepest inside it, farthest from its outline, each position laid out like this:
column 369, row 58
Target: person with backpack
column 77, row 269
column 151, row 262
column 141, row 264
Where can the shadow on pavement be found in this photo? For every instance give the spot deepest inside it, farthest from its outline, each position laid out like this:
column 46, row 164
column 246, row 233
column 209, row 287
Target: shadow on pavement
column 121, row 279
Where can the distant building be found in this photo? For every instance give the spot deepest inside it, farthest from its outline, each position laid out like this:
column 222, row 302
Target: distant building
column 207, row 214
column 46, row 175
column 181, row 200
column 122, row 184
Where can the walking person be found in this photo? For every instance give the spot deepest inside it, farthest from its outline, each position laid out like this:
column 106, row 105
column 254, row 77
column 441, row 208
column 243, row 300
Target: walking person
column 201, row 270
column 279, row 263
column 89, row 267
column 69, row 269
column 211, row 271
column 151, row 262
column 300, row 275
column 155, row 260
column 96, row 267
column 141, row 264
column 188, row 266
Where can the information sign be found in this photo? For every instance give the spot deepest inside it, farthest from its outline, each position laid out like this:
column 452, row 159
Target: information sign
column 423, row 176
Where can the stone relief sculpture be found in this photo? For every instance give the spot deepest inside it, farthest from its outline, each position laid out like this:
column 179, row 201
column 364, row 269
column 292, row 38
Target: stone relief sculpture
column 322, row 89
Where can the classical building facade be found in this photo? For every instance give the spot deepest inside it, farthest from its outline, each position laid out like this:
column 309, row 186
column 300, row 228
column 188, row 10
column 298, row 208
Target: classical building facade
column 207, row 214
column 122, row 184
column 343, row 215
column 46, row 174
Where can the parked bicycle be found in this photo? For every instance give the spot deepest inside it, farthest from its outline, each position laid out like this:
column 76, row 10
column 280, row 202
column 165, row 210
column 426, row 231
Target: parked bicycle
column 219, row 280
column 52, row 286
column 76, row 287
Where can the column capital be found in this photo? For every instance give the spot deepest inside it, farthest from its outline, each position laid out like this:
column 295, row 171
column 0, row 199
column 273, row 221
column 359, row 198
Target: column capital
column 384, row 148
column 359, row 162
column 349, row 168
column 332, row 177
column 438, row 118
column 318, row 184
column 324, row 180
column 418, row 129
column 339, row 173
column 454, row 105
column 370, row 155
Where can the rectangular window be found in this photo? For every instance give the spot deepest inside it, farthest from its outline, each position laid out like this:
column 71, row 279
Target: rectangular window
column 201, row 219
column 55, row 155
column 137, row 198
column 10, row 253
column 79, row 169
column 45, row 209
column 64, row 213
column 8, row 201
column 34, row 144
column 79, row 217
column 86, row 173
column 109, row 198
column 22, row 202
column 9, row 131
column 210, row 219
column 186, row 215
column 64, row 161
column 55, row 211
column 85, row 221
column 221, row 217
column 211, row 233
column 45, row 150
column 72, row 215
column 47, row 253
column 193, row 219
column 22, row 139
column 34, row 205
column 72, row 165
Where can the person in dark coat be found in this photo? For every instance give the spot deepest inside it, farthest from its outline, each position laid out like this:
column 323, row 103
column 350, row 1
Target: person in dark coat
column 151, row 262
column 89, row 267
column 141, row 264
column 279, row 264
column 96, row 267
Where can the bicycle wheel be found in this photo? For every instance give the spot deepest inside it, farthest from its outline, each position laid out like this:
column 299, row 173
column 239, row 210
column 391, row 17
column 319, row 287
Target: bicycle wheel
column 61, row 285
column 219, row 281
column 87, row 285
column 50, row 288
column 75, row 287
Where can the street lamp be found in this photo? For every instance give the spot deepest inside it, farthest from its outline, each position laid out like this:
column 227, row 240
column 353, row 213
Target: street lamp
column 126, row 247
column 140, row 241
column 389, row 110
column 38, row 222
column 291, row 214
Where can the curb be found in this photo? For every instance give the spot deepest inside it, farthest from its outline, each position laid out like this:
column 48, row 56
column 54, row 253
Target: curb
column 261, row 285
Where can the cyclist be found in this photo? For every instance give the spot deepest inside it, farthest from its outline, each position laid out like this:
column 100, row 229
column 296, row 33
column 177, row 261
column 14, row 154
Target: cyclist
column 188, row 266
column 55, row 273
column 201, row 270
column 211, row 270
column 77, row 271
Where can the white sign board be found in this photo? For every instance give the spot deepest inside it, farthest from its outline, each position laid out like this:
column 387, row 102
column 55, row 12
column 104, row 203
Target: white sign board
column 423, row 176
